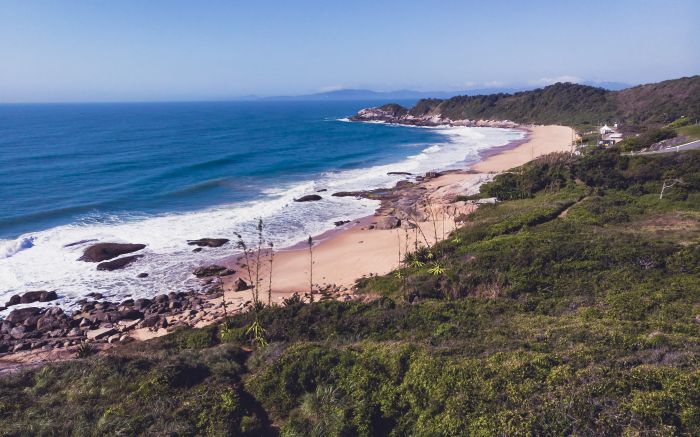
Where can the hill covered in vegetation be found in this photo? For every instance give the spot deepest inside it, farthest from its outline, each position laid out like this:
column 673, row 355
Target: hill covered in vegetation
column 573, row 105
column 571, row 307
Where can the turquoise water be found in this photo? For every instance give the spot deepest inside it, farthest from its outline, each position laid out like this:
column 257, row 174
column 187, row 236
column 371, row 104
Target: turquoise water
column 162, row 173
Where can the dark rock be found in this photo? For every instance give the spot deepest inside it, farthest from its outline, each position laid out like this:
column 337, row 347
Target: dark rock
column 104, row 317
column 399, row 173
column 38, row 296
column 30, row 322
column 212, row 270
column 5, row 327
column 142, row 275
column 104, row 251
column 161, row 298
column 341, row 222
column 95, row 295
column 208, row 242
column 48, row 322
column 14, row 300
column 142, row 303
column 55, row 311
column 309, row 198
column 241, row 285
column 150, row 321
column 322, row 190
column 118, row 263
column 21, row 314
column 77, row 243
column 198, row 249
column 129, row 314
column 347, row 194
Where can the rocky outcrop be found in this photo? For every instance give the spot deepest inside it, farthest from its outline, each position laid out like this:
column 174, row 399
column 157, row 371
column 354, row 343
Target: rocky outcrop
column 309, row 198
column 118, row 263
column 208, row 242
column 31, row 297
column 388, row 222
column 212, row 270
column 396, row 114
column 21, row 314
column 103, row 251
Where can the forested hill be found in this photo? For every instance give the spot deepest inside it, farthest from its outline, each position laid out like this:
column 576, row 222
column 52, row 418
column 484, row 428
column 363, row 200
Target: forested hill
column 573, row 104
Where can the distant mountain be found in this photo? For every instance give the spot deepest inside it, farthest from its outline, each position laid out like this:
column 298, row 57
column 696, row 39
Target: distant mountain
column 563, row 103
column 365, row 94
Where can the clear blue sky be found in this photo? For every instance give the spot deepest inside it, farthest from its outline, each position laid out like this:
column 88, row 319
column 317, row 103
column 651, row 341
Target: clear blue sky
column 188, row 50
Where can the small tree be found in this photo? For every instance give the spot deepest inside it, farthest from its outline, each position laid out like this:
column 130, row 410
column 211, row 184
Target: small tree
column 310, row 242
column 269, row 287
column 668, row 183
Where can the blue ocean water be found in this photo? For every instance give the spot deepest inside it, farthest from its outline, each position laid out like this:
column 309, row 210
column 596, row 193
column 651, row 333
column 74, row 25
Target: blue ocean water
column 162, row 173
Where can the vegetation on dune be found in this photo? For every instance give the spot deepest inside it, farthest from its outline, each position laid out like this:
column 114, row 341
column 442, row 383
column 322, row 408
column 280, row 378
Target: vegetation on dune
column 570, row 307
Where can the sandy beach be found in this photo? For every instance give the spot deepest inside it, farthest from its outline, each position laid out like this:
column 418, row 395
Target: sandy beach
column 340, row 257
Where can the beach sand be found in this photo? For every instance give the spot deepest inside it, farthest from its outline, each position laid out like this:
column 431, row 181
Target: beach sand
column 340, row 258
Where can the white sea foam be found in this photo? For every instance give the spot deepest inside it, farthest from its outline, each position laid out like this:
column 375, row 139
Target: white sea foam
column 42, row 260
column 11, row 247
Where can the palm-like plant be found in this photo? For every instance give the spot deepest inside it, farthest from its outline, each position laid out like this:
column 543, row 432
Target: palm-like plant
column 436, row 269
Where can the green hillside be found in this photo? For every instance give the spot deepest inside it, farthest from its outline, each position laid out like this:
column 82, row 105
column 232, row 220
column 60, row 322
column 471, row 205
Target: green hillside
column 575, row 105
column 572, row 307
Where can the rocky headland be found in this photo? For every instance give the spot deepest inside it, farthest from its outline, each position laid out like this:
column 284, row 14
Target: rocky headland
column 397, row 114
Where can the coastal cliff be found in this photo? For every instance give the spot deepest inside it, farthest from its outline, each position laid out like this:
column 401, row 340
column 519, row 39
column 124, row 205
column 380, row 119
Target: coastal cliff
column 397, row 114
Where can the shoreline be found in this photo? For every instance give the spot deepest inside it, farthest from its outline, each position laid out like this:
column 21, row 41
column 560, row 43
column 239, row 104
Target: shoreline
column 343, row 255
column 364, row 247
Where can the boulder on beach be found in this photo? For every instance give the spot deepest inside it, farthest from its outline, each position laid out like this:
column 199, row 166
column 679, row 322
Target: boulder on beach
column 241, row 285
column 388, row 222
column 21, row 314
column 212, row 270
column 341, row 222
column 103, row 251
column 208, row 242
column 309, row 198
column 118, row 263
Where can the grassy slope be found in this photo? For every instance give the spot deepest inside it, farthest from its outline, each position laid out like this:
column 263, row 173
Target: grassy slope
column 572, row 308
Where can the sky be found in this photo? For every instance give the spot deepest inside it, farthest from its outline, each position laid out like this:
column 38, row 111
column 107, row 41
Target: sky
column 160, row 50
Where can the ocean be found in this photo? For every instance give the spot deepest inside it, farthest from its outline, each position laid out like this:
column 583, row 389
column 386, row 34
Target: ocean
column 163, row 173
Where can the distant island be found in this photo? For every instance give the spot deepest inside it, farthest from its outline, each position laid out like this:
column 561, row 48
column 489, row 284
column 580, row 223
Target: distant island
column 353, row 94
